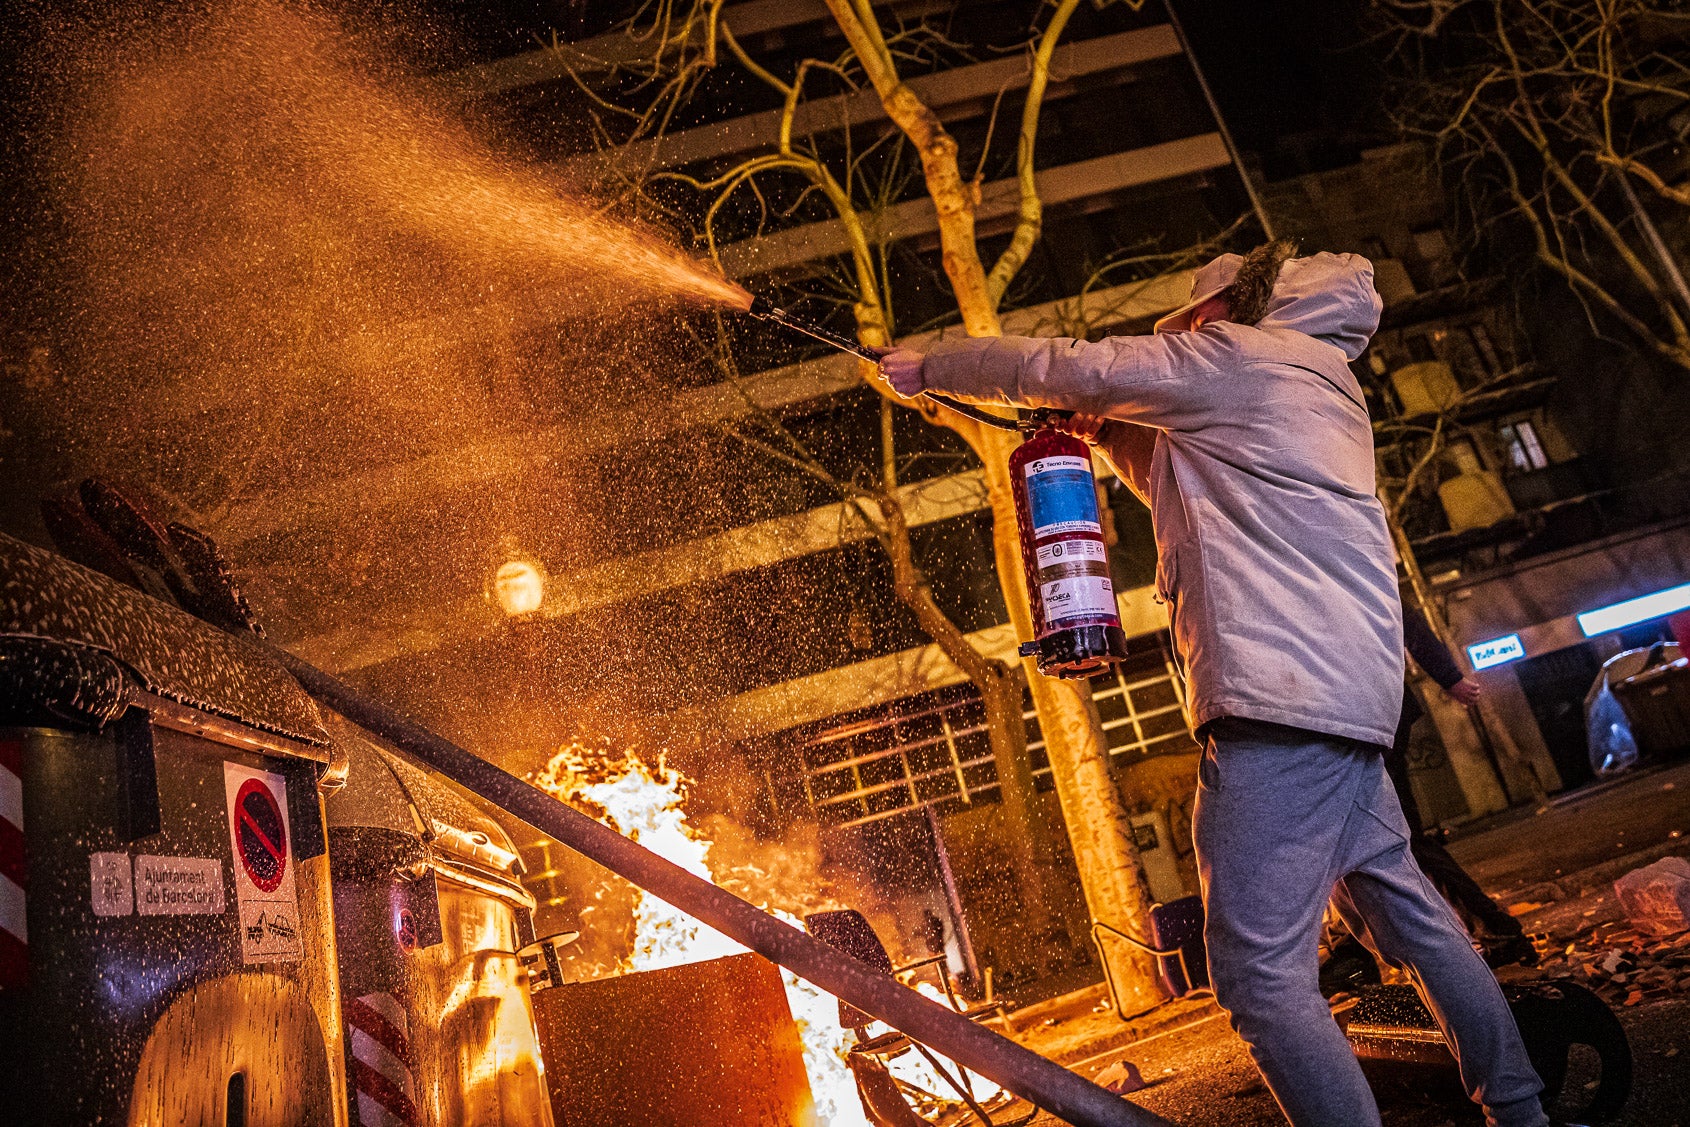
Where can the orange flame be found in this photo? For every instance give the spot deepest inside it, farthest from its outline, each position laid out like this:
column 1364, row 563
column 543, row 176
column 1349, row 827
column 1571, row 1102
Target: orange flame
column 647, row 804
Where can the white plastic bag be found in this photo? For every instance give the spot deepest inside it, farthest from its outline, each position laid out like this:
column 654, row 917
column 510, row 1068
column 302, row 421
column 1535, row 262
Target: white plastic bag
column 1612, row 746
column 1656, row 898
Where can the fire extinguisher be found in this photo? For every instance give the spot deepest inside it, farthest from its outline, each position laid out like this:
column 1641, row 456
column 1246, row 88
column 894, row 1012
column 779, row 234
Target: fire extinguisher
column 1076, row 624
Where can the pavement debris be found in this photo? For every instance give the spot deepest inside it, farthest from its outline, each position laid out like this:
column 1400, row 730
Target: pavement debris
column 1623, row 965
column 1657, row 897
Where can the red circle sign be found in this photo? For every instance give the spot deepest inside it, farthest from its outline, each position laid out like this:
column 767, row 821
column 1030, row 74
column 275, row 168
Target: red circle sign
column 262, row 834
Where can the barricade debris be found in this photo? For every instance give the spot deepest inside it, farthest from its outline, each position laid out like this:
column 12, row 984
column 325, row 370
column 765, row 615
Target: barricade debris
column 1121, row 1077
column 1656, row 898
column 1623, row 964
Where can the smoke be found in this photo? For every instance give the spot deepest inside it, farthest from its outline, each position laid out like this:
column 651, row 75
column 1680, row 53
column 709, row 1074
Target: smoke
column 296, row 296
column 311, row 310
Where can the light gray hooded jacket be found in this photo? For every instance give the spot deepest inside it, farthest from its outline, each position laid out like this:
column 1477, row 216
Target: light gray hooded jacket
column 1252, row 447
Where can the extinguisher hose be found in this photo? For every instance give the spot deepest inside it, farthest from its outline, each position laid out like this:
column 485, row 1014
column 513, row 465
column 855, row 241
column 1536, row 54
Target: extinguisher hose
column 762, row 309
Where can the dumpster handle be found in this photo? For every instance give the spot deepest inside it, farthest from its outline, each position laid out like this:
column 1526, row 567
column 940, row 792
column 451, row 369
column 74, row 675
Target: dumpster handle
column 1041, row 1082
column 510, row 891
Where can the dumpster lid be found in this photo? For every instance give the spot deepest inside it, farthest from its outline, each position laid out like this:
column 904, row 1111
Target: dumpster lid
column 386, row 791
column 373, row 796
column 174, row 654
column 1640, row 663
column 1660, row 671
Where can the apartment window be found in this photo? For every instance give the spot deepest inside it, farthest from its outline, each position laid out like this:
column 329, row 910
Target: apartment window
column 1462, row 456
column 1141, row 704
column 1420, row 349
column 1485, row 348
column 929, row 750
column 1521, row 447
column 933, row 749
column 1459, row 351
column 1431, row 246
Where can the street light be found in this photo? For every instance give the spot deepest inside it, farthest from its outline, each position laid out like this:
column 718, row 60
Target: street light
column 519, row 586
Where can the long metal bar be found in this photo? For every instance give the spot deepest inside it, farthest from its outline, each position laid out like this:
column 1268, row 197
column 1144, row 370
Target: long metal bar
column 1030, row 1076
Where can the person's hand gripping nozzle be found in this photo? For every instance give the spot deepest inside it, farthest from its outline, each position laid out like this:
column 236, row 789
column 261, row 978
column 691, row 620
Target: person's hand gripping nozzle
column 1076, row 622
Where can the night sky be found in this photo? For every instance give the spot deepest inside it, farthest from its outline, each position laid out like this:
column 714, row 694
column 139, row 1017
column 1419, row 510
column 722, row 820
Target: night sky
column 1298, row 82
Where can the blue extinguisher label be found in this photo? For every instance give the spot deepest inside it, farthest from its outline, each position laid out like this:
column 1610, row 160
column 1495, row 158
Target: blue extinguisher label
column 1062, row 495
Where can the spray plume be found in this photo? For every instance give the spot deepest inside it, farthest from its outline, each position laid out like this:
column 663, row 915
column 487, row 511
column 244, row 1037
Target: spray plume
column 267, row 224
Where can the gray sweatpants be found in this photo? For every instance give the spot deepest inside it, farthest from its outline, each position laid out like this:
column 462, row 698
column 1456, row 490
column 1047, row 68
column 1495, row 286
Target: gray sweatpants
column 1287, row 819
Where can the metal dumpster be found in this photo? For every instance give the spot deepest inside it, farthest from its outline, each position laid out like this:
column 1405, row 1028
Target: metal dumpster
column 709, row 1044
column 166, row 939
column 1653, row 686
column 429, row 916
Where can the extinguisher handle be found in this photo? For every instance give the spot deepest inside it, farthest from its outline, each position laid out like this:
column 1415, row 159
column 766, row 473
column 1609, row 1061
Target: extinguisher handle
column 1040, row 417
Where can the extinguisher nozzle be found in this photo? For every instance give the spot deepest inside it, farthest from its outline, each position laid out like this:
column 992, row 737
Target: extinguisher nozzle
column 763, row 309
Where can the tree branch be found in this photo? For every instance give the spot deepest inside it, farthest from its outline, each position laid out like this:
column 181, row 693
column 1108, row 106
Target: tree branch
column 1030, row 213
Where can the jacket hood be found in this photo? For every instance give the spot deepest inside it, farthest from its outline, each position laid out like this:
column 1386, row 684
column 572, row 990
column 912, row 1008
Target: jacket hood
column 1329, row 297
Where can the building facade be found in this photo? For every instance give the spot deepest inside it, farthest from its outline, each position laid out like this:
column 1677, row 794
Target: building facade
column 1520, row 515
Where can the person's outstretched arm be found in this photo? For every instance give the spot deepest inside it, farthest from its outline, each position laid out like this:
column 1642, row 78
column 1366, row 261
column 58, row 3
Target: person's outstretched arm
column 1173, row 381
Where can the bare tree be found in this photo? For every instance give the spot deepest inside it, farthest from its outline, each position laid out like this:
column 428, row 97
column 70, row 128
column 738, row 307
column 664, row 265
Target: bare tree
column 683, row 41
column 1550, row 115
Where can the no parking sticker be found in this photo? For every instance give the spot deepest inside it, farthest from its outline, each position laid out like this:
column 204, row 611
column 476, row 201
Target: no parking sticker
column 263, row 847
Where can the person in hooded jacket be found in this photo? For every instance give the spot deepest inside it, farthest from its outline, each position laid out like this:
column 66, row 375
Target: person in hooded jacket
column 1240, row 424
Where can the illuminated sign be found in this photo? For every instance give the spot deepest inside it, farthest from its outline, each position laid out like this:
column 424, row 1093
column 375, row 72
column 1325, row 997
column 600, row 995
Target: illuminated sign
column 1497, row 651
column 1617, row 616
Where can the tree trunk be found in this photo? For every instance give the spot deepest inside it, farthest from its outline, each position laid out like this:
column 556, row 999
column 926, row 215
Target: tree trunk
column 1000, row 692
column 1099, row 829
column 1109, row 866
column 1029, row 846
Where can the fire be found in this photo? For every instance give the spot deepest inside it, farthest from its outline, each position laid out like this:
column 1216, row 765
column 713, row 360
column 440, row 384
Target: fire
column 646, row 803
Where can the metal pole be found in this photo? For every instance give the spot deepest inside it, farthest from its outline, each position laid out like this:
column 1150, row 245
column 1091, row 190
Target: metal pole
column 1039, row 1081
column 1220, row 123
column 953, row 900
column 1663, row 255
column 762, row 309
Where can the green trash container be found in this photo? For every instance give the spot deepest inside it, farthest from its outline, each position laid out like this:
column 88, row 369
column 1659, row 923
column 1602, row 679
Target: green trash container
column 166, row 930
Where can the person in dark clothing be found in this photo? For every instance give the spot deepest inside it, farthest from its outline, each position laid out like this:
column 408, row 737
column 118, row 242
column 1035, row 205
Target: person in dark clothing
column 1500, row 934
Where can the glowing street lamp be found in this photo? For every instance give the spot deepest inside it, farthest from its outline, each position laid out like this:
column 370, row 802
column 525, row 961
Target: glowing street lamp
column 519, row 587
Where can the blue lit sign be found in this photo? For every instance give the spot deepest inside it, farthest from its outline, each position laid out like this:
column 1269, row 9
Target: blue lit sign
column 1605, row 620
column 1497, row 651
